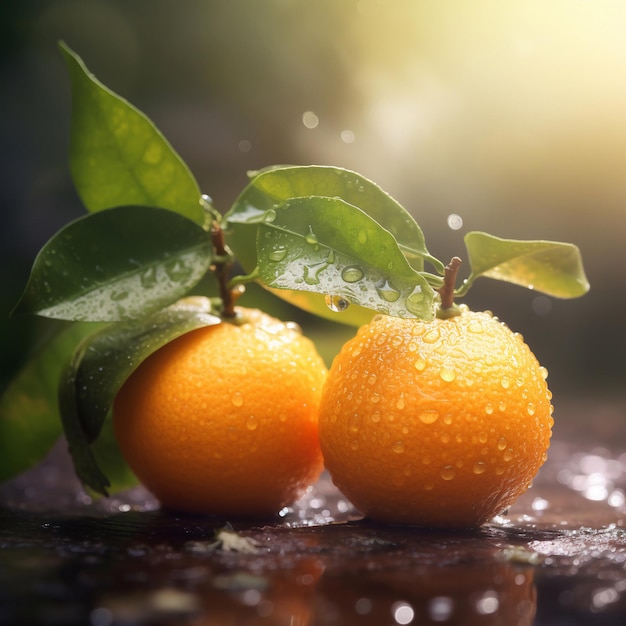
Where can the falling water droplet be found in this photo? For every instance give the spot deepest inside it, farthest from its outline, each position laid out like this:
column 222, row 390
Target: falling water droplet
column 337, row 304
column 352, row 274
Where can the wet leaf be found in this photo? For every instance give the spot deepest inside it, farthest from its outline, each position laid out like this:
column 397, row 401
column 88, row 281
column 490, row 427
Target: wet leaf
column 275, row 185
column 330, row 247
column 117, row 264
column 551, row 267
column 97, row 371
column 117, row 155
column 29, row 414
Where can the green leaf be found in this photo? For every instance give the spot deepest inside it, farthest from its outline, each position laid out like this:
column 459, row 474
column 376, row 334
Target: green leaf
column 275, row 185
column 330, row 247
column 117, row 264
column 29, row 415
column 118, row 157
column 97, row 371
column 551, row 267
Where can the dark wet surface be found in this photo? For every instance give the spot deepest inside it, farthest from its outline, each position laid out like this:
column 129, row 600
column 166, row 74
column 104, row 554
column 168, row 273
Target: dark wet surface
column 558, row 557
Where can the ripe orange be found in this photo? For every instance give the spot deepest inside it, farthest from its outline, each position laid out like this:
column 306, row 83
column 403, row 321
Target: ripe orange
column 223, row 420
column 441, row 423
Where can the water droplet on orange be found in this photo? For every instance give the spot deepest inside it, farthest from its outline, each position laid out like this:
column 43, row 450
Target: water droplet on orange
column 432, row 336
column 420, row 364
column 489, row 409
column 237, row 399
column 479, row 467
column 398, row 447
column 448, row 472
column 531, row 409
column 501, row 443
column 428, row 417
column 447, row 374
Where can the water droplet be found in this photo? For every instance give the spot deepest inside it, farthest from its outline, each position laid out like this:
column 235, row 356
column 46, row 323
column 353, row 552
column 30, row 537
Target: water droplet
column 505, row 382
column 445, row 438
column 352, row 274
column 312, row 273
column 330, row 258
column 431, row 336
column 252, row 423
column 414, row 301
column 310, row 237
column 269, row 216
column 447, row 374
column 475, row 326
column 501, row 443
column 375, row 417
column 502, row 406
column 479, row 467
column 237, row 399
column 508, row 455
column 455, row 221
column 488, row 409
column 400, row 402
column 544, row 372
column 398, row 447
column 483, row 437
column 375, row 398
column 530, row 409
column 388, row 293
column 428, row 417
column 354, row 445
column 372, row 379
column 148, row 278
column 337, row 304
column 278, row 253
column 447, row 419
column 420, row 364
column 447, row 472
column 177, row 270
column 499, row 471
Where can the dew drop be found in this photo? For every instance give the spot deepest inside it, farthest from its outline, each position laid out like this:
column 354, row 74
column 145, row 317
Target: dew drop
column 372, row 378
column 420, row 364
column 428, row 417
column 278, row 253
column 375, row 398
column 252, row 423
column 445, row 438
column 530, row 409
column 398, row 447
column 330, row 259
column 148, row 278
column 337, row 304
column 388, row 293
column 544, row 372
column 479, row 467
column 431, row 336
column 499, row 471
column 237, row 399
column 310, row 237
column 375, row 417
column 269, row 216
column 447, row 374
column 501, row 443
column 489, row 409
column 505, row 382
column 447, row 472
column 508, row 455
column 483, row 437
column 352, row 274
column 502, row 406
column 414, row 301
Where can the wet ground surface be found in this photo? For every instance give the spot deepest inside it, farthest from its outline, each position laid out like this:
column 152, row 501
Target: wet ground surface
column 557, row 558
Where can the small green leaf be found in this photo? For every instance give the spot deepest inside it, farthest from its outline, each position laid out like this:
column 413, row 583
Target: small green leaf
column 117, row 264
column 552, row 267
column 275, row 185
column 328, row 246
column 118, row 157
column 97, row 371
column 29, row 415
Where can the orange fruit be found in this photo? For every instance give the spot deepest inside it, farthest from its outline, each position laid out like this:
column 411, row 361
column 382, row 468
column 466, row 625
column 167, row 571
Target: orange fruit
column 223, row 420
column 441, row 423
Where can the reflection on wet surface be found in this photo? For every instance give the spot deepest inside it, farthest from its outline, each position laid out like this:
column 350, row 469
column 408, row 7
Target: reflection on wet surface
column 557, row 557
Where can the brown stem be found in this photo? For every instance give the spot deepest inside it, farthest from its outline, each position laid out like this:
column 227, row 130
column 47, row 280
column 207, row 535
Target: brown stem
column 446, row 291
column 221, row 270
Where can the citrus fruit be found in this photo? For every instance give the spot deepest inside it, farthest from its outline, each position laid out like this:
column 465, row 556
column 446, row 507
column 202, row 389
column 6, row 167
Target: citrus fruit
column 223, row 420
column 440, row 423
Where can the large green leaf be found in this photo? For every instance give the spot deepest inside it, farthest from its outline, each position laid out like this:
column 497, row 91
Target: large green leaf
column 97, row 371
column 551, row 267
column 117, row 264
column 275, row 185
column 330, row 247
column 29, row 415
column 118, row 157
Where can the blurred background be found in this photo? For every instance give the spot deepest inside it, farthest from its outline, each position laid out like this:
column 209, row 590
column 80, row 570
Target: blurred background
column 507, row 117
